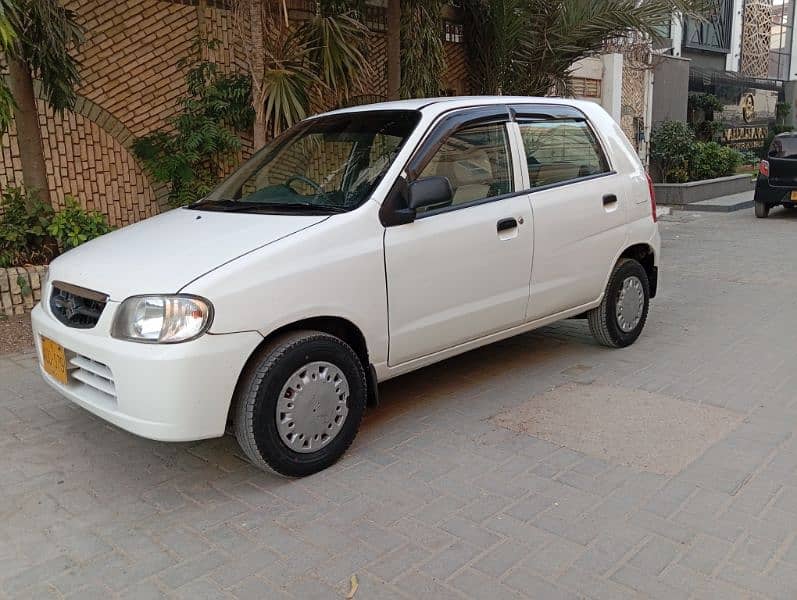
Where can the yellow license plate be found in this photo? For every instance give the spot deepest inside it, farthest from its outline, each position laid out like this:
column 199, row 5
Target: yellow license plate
column 54, row 359
column 794, row 196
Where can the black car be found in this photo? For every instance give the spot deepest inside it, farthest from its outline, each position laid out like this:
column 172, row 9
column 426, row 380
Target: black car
column 777, row 176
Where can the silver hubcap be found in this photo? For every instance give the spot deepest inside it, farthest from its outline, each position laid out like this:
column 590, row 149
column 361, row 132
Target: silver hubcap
column 312, row 407
column 630, row 303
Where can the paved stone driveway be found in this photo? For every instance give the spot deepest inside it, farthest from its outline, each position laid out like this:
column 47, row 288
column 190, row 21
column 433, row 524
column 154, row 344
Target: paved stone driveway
column 434, row 500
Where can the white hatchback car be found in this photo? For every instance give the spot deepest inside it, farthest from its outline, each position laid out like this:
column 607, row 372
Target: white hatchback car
column 361, row 244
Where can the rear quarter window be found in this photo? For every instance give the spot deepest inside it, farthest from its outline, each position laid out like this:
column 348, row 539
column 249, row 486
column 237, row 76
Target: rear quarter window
column 558, row 151
column 785, row 147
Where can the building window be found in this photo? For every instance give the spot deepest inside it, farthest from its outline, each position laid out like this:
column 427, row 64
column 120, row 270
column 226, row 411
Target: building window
column 584, row 87
column 780, row 39
column 712, row 34
column 454, row 32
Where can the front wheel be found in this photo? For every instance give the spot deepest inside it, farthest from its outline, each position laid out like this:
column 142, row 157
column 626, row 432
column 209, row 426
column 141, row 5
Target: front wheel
column 761, row 210
column 300, row 403
column 619, row 319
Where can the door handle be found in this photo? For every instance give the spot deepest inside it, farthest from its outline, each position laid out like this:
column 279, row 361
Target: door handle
column 609, row 199
column 506, row 224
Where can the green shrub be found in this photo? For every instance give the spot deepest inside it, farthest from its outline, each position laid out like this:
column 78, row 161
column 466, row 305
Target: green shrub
column 75, row 225
column 708, row 103
column 672, row 145
column 194, row 151
column 23, row 229
column 707, row 131
column 712, row 160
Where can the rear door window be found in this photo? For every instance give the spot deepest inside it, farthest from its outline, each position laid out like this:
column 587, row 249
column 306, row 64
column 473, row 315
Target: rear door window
column 559, row 150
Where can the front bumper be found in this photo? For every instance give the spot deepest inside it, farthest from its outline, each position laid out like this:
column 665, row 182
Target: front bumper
column 177, row 392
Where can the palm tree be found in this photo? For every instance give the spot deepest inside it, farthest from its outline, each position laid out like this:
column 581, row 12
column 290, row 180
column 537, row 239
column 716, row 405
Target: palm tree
column 528, row 47
column 298, row 67
column 8, row 35
column 37, row 38
column 422, row 58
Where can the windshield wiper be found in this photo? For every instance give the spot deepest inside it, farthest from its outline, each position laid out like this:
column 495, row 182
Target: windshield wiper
column 324, row 207
column 228, row 205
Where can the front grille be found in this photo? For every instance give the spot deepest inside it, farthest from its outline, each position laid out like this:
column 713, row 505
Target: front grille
column 93, row 374
column 75, row 306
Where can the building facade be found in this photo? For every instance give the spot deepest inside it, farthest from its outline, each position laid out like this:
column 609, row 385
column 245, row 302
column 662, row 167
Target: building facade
column 744, row 53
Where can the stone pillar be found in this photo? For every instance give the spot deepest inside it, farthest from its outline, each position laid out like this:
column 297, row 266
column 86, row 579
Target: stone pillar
column 734, row 56
column 612, row 85
column 677, row 34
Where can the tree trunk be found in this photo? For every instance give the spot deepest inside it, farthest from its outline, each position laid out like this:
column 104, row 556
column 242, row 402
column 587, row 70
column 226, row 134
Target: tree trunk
column 26, row 118
column 257, row 66
column 259, row 137
column 393, row 49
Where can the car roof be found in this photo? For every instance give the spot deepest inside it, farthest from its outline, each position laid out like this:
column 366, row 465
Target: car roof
column 446, row 103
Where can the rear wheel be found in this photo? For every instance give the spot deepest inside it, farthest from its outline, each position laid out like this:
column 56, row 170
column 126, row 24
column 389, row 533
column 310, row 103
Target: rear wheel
column 761, row 210
column 622, row 313
column 300, row 404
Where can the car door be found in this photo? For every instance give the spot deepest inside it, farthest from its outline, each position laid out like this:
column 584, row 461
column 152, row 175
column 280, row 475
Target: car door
column 579, row 207
column 462, row 271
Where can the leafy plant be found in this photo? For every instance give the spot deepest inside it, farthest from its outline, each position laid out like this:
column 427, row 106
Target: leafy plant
column 75, row 225
column 701, row 109
column 422, row 59
column 672, row 146
column 24, row 238
column 294, row 68
column 708, row 103
column 192, row 153
column 24, row 285
column 38, row 40
column 712, row 160
column 706, row 131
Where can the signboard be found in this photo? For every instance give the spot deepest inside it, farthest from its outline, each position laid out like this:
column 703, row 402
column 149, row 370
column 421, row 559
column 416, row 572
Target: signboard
column 747, row 117
column 750, row 106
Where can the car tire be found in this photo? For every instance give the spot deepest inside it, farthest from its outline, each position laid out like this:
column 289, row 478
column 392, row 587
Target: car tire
column 619, row 319
column 325, row 379
column 761, row 210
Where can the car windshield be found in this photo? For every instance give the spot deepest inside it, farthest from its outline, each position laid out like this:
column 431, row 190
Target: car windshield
column 325, row 165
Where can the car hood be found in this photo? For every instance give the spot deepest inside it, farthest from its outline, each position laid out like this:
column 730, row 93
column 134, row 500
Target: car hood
column 165, row 253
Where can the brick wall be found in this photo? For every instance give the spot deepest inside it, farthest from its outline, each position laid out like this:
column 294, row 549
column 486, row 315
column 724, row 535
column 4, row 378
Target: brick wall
column 20, row 289
column 129, row 86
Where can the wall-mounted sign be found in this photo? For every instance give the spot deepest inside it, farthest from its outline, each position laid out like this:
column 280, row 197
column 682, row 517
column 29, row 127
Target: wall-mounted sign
column 749, row 106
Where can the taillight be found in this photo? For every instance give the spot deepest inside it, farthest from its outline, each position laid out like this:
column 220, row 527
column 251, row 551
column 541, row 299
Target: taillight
column 652, row 199
column 763, row 168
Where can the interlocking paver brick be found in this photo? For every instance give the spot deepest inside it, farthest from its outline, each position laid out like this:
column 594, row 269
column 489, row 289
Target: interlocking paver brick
column 705, row 554
column 533, row 586
column 450, row 559
column 647, row 585
column 655, row 555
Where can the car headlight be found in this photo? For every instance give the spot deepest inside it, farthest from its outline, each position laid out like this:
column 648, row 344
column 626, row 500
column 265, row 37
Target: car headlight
column 162, row 319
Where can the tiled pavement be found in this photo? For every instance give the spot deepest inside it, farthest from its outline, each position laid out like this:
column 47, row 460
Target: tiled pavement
column 434, row 500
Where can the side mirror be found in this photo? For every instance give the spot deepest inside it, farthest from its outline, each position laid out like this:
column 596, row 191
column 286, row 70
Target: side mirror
column 429, row 191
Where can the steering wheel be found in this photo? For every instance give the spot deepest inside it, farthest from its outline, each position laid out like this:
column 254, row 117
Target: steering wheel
column 318, row 189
